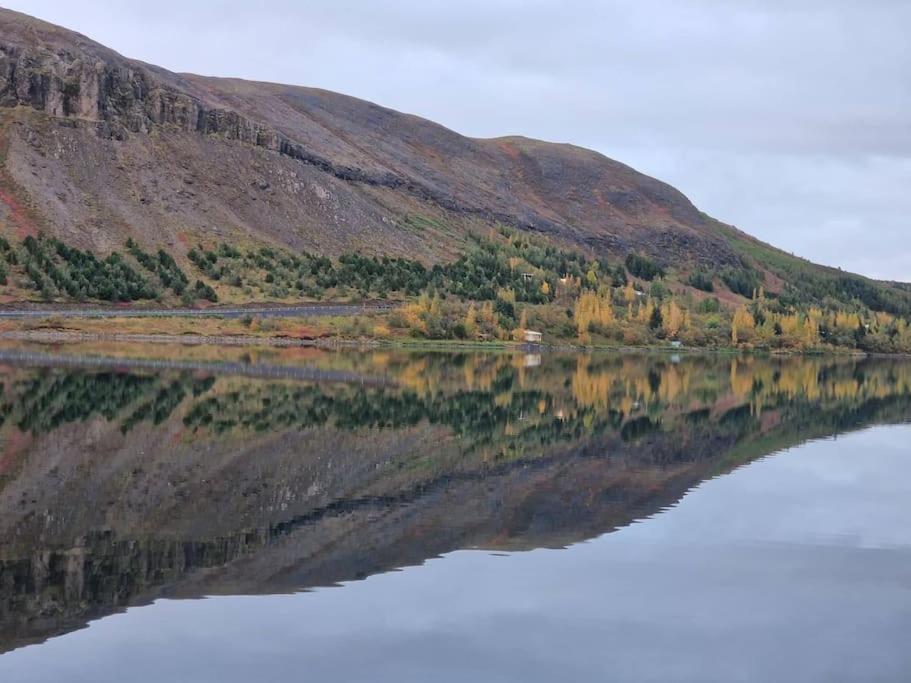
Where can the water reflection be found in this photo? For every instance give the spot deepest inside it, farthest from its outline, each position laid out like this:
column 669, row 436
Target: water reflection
column 121, row 483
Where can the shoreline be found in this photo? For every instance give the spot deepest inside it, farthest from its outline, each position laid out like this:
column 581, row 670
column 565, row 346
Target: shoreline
column 241, row 340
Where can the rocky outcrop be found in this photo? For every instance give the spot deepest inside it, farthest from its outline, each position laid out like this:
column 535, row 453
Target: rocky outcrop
column 124, row 98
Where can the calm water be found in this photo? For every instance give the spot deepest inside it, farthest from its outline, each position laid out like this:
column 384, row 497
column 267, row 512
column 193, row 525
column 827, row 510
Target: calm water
column 391, row 516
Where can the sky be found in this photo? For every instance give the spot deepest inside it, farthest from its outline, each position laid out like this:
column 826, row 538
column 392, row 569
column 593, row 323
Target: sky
column 790, row 119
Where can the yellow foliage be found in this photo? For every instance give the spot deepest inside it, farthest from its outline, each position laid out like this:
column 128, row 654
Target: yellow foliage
column 674, row 319
column 743, row 326
column 645, row 312
column 591, row 309
column 471, row 322
column 591, row 277
column 519, row 333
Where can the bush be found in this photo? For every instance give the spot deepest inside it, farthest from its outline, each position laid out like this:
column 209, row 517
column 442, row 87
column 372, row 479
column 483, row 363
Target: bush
column 702, row 280
column 643, row 267
column 658, row 291
column 743, row 281
column 204, row 291
column 712, row 305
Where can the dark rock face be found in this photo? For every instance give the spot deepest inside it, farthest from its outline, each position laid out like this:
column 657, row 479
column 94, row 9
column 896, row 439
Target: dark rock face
column 364, row 169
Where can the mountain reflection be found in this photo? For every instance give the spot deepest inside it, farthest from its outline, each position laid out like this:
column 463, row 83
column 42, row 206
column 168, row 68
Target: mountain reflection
column 121, row 483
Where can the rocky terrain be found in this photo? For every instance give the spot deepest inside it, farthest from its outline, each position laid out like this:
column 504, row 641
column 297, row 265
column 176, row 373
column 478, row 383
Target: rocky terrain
column 97, row 147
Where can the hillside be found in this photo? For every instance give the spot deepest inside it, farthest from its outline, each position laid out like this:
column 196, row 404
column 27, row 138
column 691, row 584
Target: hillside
column 97, row 149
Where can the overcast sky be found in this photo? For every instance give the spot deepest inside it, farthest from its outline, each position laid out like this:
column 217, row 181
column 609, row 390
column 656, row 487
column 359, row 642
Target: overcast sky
column 790, row 119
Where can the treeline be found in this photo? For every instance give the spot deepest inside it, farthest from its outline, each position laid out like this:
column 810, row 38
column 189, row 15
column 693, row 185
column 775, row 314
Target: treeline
column 529, row 270
column 771, row 323
column 57, row 270
column 163, row 265
column 806, row 285
column 504, row 284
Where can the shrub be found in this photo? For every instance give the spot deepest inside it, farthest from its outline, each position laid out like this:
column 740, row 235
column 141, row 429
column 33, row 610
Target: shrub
column 204, row 291
column 702, row 280
column 643, row 267
column 712, row 305
column 743, row 281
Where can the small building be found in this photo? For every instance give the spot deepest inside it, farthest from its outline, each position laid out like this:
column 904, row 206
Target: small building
column 676, row 344
column 533, row 336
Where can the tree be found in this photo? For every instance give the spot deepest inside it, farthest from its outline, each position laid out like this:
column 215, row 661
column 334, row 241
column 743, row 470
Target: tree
column 592, row 310
column 643, row 267
column 618, row 276
column 742, row 326
column 204, row 291
column 656, row 319
column 471, row 322
column 674, row 319
column 519, row 332
column 702, row 280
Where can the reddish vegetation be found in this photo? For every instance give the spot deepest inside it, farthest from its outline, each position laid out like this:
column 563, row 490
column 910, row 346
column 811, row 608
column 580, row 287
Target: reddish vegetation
column 17, row 215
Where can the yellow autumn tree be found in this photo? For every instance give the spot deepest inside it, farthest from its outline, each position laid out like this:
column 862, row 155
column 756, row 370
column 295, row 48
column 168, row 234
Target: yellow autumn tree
column 487, row 319
column 592, row 309
column 415, row 314
column 471, row 322
column 519, row 333
column 810, row 331
column 646, row 311
column 743, row 326
column 674, row 319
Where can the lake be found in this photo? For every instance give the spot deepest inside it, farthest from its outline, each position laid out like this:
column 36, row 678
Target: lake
column 377, row 515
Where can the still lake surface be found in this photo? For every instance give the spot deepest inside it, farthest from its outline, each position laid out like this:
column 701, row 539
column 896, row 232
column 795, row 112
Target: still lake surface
column 277, row 515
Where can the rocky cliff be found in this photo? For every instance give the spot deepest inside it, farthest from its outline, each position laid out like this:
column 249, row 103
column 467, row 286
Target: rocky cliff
column 98, row 147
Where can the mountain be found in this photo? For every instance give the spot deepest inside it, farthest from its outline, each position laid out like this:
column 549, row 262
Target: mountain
column 97, row 148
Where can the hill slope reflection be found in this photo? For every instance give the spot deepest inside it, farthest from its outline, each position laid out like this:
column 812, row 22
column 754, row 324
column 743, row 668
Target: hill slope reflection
column 118, row 486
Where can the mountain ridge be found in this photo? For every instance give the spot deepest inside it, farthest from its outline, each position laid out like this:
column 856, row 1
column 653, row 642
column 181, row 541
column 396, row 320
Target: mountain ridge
column 351, row 139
